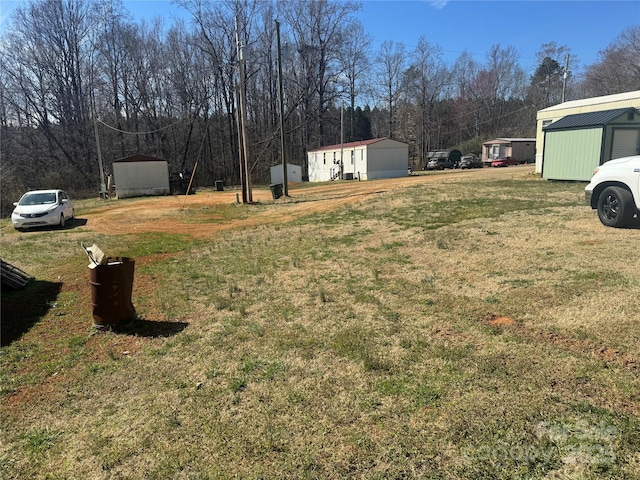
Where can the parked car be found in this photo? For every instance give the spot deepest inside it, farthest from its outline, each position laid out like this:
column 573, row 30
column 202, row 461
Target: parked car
column 440, row 164
column 470, row 161
column 504, row 162
column 614, row 191
column 42, row 208
column 444, row 159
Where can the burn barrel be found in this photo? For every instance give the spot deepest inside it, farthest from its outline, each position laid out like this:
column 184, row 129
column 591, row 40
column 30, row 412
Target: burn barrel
column 111, row 289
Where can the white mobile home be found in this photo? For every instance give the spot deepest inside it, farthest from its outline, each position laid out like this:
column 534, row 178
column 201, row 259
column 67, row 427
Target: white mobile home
column 364, row 160
column 141, row 175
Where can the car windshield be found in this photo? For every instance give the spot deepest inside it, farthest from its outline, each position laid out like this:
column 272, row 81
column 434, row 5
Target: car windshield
column 38, row 198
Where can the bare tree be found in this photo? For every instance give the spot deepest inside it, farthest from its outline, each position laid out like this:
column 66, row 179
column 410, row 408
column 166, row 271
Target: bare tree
column 391, row 61
column 45, row 61
column 355, row 61
column 618, row 68
column 427, row 78
column 501, row 80
column 318, row 30
column 114, row 35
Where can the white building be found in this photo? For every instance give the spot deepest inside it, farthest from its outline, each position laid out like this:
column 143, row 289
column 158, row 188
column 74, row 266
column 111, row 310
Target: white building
column 294, row 174
column 364, row 160
column 552, row 114
column 140, row 175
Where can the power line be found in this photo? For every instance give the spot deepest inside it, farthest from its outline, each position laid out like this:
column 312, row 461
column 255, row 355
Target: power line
column 140, row 133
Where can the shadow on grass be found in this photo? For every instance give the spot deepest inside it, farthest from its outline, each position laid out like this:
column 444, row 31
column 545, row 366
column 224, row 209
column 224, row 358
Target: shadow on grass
column 79, row 222
column 149, row 328
column 69, row 225
column 22, row 309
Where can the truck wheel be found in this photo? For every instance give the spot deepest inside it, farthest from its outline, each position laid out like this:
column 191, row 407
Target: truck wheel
column 615, row 207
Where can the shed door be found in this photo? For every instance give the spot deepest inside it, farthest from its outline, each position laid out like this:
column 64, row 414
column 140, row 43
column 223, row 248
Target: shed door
column 625, row 142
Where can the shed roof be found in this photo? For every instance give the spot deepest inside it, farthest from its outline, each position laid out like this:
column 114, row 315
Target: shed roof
column 139, row 158
column 590, row 119
column 360, row 143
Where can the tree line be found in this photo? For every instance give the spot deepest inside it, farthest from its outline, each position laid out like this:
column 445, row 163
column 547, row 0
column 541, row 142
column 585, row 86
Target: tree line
column 76, row 75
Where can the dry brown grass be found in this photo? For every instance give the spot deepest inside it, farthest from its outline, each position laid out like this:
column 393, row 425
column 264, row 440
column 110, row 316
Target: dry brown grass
column 412, row 330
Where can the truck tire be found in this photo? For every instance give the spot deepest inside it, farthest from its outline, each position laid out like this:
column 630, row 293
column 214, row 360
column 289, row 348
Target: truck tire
column 616, row 207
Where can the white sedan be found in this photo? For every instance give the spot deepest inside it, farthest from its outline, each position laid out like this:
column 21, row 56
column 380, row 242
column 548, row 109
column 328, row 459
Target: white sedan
column 42, row 208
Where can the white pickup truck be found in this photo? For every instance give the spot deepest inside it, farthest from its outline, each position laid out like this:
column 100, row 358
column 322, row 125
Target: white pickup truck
column 614, row 191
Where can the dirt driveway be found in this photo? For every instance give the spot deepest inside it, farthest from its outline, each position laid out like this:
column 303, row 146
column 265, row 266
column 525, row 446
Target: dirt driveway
column 203, row 214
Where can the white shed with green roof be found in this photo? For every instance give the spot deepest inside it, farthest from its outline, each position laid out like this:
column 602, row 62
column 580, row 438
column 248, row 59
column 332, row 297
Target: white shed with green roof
column 576, row 144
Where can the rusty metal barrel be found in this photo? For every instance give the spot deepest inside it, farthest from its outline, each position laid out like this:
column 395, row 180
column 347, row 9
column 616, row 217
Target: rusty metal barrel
column 111, row 290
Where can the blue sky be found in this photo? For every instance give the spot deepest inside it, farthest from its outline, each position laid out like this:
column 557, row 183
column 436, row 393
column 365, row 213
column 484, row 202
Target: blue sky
column 586, row 27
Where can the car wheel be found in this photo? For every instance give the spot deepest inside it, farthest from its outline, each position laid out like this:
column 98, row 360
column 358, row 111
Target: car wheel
column 62, row 222
column 615, row 207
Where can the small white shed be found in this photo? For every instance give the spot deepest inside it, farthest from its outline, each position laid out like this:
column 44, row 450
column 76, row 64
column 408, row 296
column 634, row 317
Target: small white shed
column 141, row 175
column 364, row 160
column 294, row 174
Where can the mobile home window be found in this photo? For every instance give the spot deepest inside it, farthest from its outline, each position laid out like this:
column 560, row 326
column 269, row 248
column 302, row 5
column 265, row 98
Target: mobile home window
column 324, row 158
column 353, row 154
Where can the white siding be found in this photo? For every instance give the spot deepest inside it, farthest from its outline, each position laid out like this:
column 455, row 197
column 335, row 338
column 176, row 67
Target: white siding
column 294, row 173
column 319, row 166
column 136, row 179
column 383, row 159
column 387, row 159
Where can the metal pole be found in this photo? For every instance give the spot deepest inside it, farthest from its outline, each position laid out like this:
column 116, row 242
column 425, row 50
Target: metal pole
column 285, row 179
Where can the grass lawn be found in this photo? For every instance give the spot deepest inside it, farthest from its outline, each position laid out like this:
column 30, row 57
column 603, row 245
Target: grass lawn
column 474, row 327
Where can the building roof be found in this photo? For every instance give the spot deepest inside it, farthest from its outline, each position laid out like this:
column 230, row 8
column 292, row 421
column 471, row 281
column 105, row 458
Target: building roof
column 139, row 158
column 618, row 97
column 509, row 140
column 590, row 119
column 360, row 143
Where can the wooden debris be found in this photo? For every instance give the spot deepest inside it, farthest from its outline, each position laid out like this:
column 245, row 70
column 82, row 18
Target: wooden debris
column 12, row 276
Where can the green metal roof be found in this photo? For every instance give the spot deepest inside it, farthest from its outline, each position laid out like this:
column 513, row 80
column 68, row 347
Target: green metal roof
column 591, row 119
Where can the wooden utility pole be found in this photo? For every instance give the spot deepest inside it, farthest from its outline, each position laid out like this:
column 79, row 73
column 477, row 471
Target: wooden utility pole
column 342, row 143
column 243, row 182
column 104, row 193
column 248, row 198
column 565, row 74
column 285, row 179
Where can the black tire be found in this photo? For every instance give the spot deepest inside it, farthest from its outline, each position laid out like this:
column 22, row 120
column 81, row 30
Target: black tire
column 616, row 207
column 62, row 222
